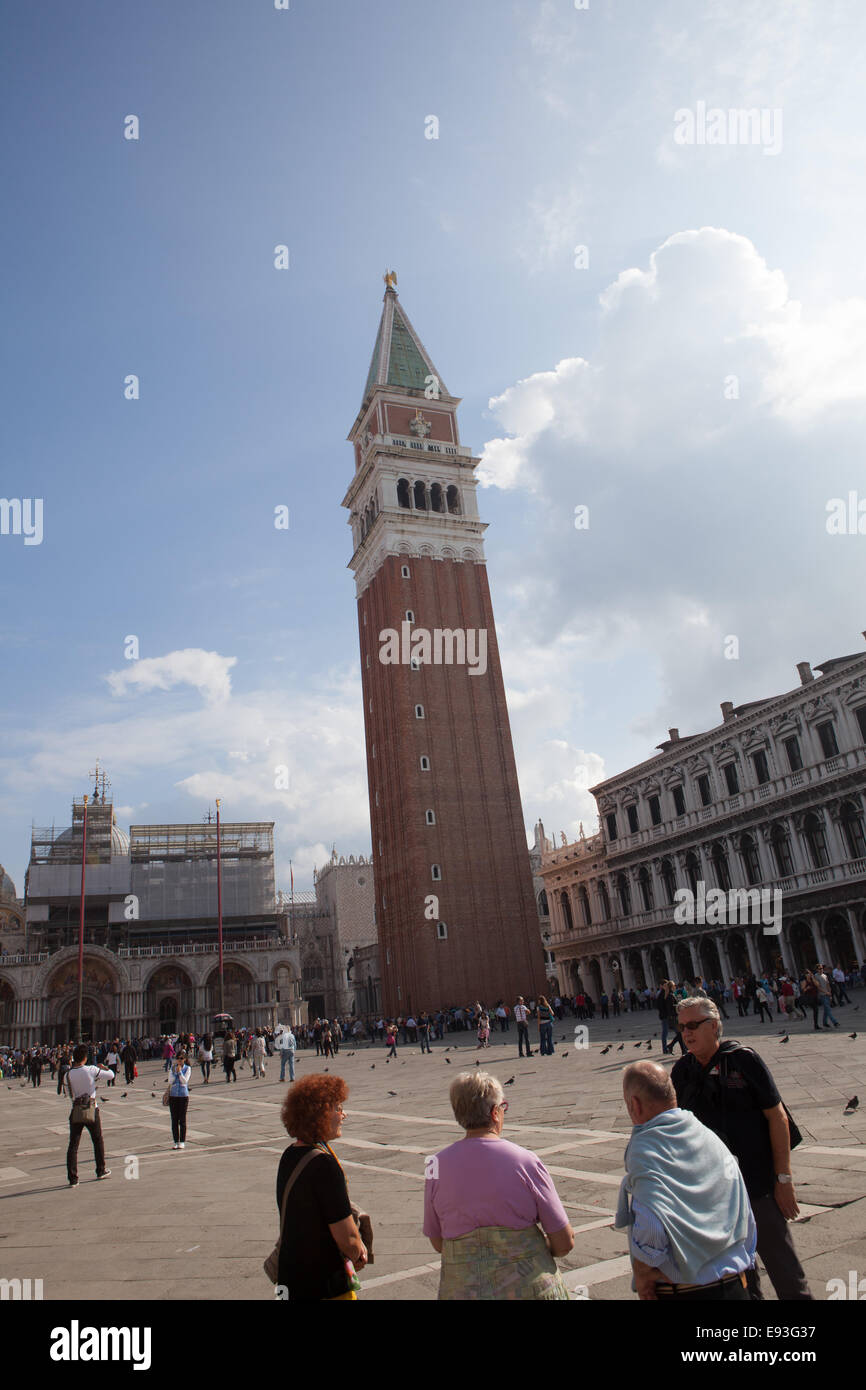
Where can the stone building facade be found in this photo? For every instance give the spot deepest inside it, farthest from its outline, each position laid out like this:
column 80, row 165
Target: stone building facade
column 151, row 961
column 331, row 925
column 772, row 800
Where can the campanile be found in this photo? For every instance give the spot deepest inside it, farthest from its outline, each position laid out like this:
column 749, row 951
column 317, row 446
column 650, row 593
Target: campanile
column 455, row 908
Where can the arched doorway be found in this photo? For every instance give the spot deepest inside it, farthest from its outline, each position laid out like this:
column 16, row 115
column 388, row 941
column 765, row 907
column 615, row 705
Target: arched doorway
column 7, row 1006
column 683, row 963
column 240, row 993
column 738, row 954
column 658, row 966
column 169, row 999
column 99, row 999
column 840, row 942
column 709, row 958
column 802, row 945
column 596, row 988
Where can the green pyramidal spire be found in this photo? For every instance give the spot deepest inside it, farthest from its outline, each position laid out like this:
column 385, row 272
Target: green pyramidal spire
column 399, row 357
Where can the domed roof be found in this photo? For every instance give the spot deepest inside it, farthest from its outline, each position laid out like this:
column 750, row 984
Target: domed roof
column 119, row 839
column 7, row 887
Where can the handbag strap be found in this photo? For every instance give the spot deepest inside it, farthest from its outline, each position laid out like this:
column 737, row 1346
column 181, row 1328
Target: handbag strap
column 299, row 1168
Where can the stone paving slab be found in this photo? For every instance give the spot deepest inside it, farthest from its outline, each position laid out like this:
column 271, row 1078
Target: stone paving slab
column 197, row 1223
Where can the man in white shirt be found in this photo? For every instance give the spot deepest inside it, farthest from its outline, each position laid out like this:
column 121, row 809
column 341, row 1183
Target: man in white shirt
column 521, row 1018
column 841, row 991
column 287, row 1043
column 80, row 1083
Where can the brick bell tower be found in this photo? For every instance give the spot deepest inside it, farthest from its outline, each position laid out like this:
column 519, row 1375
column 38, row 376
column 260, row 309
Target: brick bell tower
column 455, row 908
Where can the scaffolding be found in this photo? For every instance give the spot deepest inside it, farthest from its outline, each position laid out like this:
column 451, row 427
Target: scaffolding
column 51, row 846
column 173, row 870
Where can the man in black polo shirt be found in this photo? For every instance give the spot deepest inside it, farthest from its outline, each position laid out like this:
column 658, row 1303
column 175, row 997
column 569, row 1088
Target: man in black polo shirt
column 730, row 1090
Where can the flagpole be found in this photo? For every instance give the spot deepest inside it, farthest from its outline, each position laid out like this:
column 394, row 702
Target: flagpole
column 220, row 911
column 81, row 923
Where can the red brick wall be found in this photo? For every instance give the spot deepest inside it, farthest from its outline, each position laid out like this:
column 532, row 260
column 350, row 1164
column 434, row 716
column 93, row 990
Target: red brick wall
column 485, row 895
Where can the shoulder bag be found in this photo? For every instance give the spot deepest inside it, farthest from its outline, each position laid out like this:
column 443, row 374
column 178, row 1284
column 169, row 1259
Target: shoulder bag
column 271, row 1265
column 83, row 1108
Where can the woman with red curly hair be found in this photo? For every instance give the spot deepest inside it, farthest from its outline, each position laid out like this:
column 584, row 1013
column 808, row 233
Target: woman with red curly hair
column 319, row 1236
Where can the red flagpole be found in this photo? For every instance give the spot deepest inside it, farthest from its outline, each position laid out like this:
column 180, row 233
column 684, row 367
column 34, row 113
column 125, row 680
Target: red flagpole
column 81, row 922
column 220, row 910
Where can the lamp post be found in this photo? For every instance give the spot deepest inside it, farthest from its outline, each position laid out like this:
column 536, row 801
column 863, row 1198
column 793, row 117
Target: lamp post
column 81, row 923
column 220, row 910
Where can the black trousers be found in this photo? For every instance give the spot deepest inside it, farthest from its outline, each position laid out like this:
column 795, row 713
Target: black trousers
column 776, row 1249
column 178, row 1107
column 129, row 1072
column 95, row 1132
column 523, row 1037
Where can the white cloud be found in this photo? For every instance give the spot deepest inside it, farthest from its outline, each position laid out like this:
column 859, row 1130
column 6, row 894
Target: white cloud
column 207, row 672
column 706, row 504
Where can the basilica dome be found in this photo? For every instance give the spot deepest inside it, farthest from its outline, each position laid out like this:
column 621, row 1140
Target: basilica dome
column 7, row 887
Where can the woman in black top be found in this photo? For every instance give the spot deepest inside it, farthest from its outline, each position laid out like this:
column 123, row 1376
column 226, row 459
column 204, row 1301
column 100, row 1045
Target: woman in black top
column 319, row 1234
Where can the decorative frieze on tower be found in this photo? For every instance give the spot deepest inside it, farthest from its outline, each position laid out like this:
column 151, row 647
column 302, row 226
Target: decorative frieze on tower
column 455, row 909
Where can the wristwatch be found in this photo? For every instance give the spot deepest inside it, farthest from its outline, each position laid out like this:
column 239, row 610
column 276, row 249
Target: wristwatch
column 784, row 1177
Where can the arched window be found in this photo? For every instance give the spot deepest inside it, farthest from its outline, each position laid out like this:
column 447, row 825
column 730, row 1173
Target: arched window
column 720, row 867
column 751, row 862
column 585, row 908
column 543, row 910
column 566, row 911
column 425, row 763
column 404, row 571
column 419, row 711
column 431, row 817
column 403, row 499
column 604, row 899
column 852, row 827
column 420, row 497
column 435, row 872
column 453, row 500
column 816, row 840
column 669, row 879
column 441, row 931
column 646, row 889
column 624, row 893
column 781, row 851
column 437, row 501
column 410, row 616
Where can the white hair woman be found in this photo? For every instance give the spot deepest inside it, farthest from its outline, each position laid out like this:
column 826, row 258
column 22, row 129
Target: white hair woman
column 490, row 1208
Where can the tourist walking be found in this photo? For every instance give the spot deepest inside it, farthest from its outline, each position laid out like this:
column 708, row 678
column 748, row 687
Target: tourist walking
column 259, row 1054
column 286, row 1045
column 483, row 1030
column 230, row 1052
column 391, row 1039
column 683, row 1200
column 80, row 1084
column 521, row 1018
column 320, row 1243
column 762, row 1002
column 129, row 1057
column 545, row 1027
column 178, row 1098
column 484, row 1199
column 731, row 1091
column 824, row 996
column 205, row 1057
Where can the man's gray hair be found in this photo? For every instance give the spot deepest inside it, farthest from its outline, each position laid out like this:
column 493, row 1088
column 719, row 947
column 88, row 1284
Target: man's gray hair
column 707, row 1007
column 473, row 1095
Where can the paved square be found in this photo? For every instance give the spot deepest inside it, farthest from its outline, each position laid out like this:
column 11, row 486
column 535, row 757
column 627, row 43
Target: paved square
column 199, row 1223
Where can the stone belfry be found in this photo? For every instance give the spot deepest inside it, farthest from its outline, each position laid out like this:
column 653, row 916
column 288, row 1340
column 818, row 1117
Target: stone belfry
column 455, row 909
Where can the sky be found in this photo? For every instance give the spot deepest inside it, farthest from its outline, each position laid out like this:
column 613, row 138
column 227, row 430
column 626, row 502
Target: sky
column 651, row 311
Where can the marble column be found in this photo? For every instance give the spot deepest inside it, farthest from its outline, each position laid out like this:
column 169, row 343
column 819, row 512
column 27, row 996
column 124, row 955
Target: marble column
column 696, row 963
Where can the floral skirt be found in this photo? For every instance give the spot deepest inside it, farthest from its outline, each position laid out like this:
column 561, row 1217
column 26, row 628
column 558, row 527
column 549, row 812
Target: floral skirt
column 496, row 1262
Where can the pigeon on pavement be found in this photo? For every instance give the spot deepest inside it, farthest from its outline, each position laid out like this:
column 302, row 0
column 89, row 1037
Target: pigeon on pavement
column 621, row 1046
column 605, row 1050
column 786, row 1038
column 852, row 1036
column 392, row 1093
column 509, row 1082
column 447, row 1061
column 853, row 1103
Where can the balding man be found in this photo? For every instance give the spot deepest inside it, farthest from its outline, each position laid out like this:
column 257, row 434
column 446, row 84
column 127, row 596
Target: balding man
column 692, row 1235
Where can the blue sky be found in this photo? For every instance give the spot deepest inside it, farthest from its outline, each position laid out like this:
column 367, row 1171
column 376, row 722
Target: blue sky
column 601, row 385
